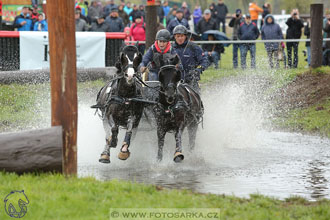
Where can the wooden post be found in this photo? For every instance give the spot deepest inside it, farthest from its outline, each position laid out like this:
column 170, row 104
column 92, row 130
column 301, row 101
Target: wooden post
column 316, row 34
column 151, row 22
column 62, row 50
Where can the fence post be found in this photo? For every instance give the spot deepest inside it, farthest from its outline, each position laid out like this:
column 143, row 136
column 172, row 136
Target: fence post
column 151, row 22
column 316, row 34
column 63, row 78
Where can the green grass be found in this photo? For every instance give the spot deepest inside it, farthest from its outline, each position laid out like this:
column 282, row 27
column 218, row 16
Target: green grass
column 53, row 196
column 314, row 119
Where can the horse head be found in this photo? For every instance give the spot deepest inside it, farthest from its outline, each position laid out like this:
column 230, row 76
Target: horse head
column 129, row 60
column 169, row 76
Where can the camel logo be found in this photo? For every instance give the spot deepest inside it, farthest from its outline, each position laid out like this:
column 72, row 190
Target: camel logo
column 15, row 204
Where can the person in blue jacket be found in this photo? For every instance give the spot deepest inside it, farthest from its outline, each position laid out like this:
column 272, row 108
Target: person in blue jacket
column 23, row 21
column 41, row 24
column 248, row 30
column 178, row 20
column 192, row 58
column 157, row 54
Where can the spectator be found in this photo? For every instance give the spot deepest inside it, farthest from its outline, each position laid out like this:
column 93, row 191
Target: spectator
column 197, row 15
column 170, row 16
column 34, row 14
column 83, row 7
column 254, row 11
column 186, row 12
column 271, row 31
column 122, row 14
column 160, row 11
column 326, row 54
column 248, row 31
column 99, row 25
column 179, row 19
column 23, row 21
column 81, row 24
column 143, row 13
column 213, row 51
column 222, row 11
column 307, row 33
column 267, row 10
column 134, row 13
column 82, row 16
column 34, row 3
column 41, row 24
column 110, row 4
column 235, row 24
column 293, row 32
column 128, row 36
column 128, row 9
column 325, row 20
column 138, row 32
column 206, row 23
column 214, row 12
column 115, row 22
column 94, row 11
column 166, row 8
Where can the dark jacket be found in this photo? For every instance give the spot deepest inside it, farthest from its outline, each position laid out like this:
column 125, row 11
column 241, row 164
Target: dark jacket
column 176, row 22
column 213, row 47
column 186, row 13
column 116, row 24
column 248, row 32
column 160, row 13
column 327, row 31
column 122, row 14
column 134, row 14
column 151, row 57
column 192, row 57
column 222, row 11
column 204, row 25
column 96, row 27
column 307, row 33
column 271, row 31
column 235, row 24
column 294, row 28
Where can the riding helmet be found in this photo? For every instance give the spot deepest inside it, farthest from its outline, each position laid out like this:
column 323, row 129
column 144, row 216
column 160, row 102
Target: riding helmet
column 163, row 35
column 180, row 29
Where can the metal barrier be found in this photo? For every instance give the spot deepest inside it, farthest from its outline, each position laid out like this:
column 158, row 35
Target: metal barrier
column 10, row 51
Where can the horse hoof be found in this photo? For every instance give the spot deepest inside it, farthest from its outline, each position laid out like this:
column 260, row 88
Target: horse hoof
column 124, row 155
column 104, row 158
column 178, row 157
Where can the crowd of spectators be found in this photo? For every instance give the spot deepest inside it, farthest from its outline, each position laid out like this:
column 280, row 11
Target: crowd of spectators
column 121, row 16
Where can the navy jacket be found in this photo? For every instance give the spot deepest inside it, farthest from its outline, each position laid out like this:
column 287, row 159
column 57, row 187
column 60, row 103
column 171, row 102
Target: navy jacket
column 191, row 58
column 116, row 24
column 271, row 31
column 149, row 58
column 248, row 32
column 173, row 23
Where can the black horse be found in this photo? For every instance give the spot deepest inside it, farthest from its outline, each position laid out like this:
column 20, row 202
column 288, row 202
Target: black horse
column 179, row 106
column 120, row 103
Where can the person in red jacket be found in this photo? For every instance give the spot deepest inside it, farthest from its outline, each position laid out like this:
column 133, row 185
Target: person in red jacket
column 138, row 32
column 129, row 37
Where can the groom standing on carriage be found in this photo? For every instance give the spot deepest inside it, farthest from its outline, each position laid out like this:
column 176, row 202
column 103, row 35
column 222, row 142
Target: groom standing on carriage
column 192, row 59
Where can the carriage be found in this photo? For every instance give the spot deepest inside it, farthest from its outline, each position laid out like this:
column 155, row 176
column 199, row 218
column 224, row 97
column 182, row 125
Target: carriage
column 167, row 104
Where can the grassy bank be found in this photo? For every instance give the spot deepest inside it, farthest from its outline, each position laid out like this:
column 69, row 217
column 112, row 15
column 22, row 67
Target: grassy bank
column 57, row 197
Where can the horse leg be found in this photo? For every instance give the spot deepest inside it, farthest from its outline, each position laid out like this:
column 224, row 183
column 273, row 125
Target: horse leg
column 111, row 130
column 192, row 131
column 161, row 137
column 124, row 152
column 178, row 156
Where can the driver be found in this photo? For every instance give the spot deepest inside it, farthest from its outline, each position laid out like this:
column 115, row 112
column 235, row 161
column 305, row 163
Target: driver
column 157, row 55
column 191, row 55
